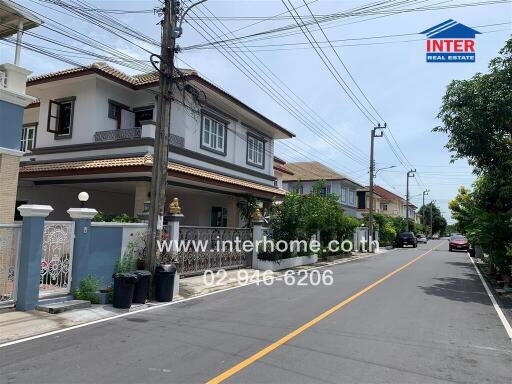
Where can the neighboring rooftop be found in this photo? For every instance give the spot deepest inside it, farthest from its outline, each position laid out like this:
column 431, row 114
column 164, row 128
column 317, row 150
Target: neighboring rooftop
column 146, row 80
column 313, row 170
column 387, row 195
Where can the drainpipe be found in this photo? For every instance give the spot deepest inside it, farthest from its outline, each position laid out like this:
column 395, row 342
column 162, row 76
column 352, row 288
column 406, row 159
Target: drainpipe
column 18, row 41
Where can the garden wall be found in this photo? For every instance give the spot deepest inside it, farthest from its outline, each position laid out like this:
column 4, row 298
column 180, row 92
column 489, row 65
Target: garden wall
column 108, row 244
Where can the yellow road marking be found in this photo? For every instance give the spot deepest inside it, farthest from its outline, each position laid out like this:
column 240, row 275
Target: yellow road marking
column 265, row 351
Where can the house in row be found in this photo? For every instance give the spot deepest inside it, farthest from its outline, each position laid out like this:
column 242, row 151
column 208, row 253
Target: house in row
column 93, row 129
column 14, row 20
column 353, row 197
column 387, row 203
column 307, row 174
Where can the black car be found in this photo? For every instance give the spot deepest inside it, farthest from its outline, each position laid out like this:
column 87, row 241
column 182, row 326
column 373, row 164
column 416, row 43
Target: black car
column 406, row 238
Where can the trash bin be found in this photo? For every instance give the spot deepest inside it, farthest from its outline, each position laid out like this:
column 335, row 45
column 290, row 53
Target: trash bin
column 124, row 285
column 164, row 282
column 141, row 292
column 472, row 252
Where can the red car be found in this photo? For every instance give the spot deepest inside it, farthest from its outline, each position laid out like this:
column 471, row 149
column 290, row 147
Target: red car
column 459, row 243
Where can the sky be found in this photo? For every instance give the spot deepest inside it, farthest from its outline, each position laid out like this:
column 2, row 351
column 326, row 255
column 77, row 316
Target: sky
column 391, row 71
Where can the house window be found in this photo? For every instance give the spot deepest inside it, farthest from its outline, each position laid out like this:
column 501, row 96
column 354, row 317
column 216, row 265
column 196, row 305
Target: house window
column 384, row 207
column 213, row 135
column 352, row 197
column 219, row 217
column 325, row 191
column 60, row 117
column 300, row 190
column 344, row 195
column 143, row 115
column 115, row 112
column 255, row 151
column 28, row 137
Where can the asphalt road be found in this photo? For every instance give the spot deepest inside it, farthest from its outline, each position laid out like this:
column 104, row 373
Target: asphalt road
column 429, row 322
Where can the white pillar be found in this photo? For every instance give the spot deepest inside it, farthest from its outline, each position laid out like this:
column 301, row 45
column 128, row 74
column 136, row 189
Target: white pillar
column 257, row 235
column 18, row 41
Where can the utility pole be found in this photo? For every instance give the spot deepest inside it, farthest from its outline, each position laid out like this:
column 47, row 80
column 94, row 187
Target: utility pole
column 424, row 194
column 171, row 30
column 372, row 175
column 431, row 221
column 409, row 175
column 161, row 148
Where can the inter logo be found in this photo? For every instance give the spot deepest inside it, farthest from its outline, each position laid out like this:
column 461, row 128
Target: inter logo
column 450, row 42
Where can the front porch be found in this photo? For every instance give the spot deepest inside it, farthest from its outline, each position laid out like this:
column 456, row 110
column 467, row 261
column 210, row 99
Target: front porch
column 210, row 199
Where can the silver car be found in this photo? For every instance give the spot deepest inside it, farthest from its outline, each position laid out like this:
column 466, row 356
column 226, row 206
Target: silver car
column 422, row 238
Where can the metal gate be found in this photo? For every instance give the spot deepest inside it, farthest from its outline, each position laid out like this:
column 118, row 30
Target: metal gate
column 57, row 258
column 206, row 252
column 10, row 240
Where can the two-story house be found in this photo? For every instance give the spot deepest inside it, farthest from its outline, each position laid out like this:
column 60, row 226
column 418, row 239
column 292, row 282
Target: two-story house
column 363, row 201
column 393, row 205
column 93, row 130
column 307, row 174
column 280, row 171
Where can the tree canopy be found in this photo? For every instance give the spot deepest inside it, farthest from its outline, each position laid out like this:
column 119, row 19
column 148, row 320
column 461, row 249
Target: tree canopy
column 476, row 115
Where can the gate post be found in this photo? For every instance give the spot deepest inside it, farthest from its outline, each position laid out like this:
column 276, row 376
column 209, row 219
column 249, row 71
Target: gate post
column 257, row 236
column 31, row 250
column 80, row 263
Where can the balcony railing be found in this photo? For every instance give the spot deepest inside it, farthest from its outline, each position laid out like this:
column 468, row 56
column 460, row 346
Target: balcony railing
column 118, row 134
column 3, row 80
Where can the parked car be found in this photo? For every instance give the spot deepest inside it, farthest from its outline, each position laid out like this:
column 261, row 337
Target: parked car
column 435, row 237
column 406, row 238
column 422, row 238
column 458, row 242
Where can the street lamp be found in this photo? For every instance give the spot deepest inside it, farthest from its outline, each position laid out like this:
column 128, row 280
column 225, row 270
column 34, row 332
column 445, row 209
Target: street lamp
column 381, row 169
column 83, row 197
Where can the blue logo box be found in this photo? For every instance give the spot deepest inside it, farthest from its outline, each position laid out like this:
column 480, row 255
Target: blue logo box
column 460, row 57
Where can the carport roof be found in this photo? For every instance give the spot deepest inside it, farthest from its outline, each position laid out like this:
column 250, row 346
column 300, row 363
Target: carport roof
column 140, row 163
column 10, row 13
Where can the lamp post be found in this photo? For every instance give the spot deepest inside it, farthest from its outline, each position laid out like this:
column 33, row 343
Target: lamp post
column 83, row 197
column 425, row 193
column 409, row 175
column 374, row 134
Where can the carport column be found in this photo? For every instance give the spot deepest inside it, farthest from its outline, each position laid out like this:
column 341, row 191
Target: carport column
column 257, row 236
column 80, row 268
column 29, row 266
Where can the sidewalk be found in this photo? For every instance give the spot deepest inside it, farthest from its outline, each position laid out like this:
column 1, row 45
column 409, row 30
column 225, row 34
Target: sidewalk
column 19, row 325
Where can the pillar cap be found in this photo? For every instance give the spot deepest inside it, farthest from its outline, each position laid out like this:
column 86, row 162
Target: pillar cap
column 176, row 217
column 34, row 210
column 82, row 213
column 258, row 221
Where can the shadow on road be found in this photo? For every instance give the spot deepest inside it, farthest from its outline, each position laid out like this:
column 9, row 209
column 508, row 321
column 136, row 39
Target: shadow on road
column 466, row 288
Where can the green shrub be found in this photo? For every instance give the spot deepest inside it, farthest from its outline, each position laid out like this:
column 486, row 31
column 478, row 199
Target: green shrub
column 108, row 218
column 88, row 289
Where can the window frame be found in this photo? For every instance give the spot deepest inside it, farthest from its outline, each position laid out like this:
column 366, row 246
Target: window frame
column 217, row 119
column 257, row 139
column 59, row 102
column 119, row 108
column 144, row 109
column 24, row 141
column 325, row 191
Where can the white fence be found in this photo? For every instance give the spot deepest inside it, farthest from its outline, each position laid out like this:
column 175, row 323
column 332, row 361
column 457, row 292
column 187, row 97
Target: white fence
column 10, row 241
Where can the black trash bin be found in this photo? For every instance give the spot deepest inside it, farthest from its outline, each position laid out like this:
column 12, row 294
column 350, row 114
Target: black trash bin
column 472, row 252
column 164, row 282
column 124, row 285
column 141, row 292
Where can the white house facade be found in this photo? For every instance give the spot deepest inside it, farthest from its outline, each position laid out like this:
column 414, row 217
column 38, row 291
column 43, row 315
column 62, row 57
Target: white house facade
column 93, row 130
